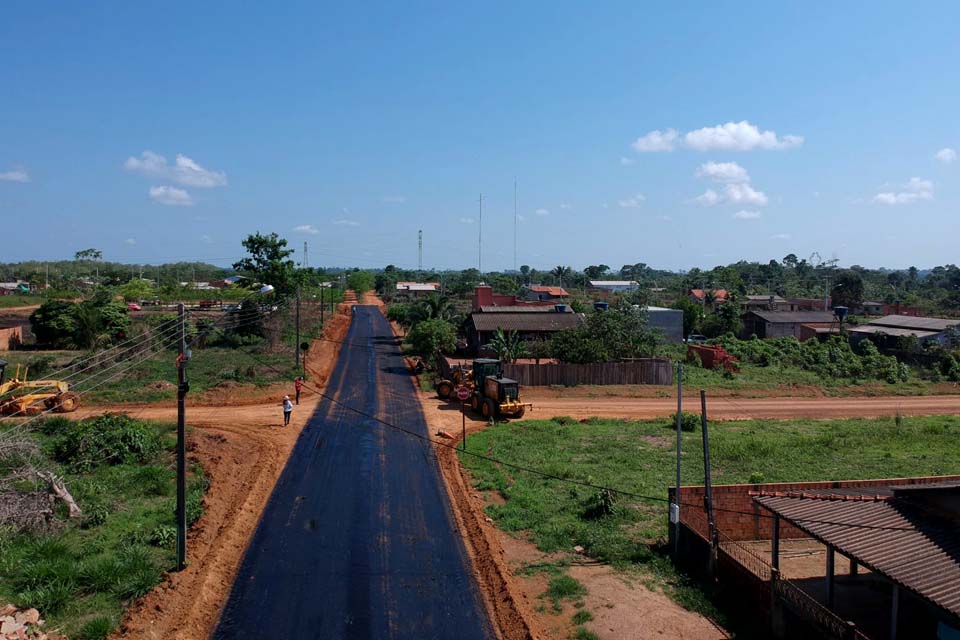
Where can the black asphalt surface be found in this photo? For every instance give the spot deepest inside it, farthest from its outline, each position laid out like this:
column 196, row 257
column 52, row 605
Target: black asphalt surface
column 358, row 540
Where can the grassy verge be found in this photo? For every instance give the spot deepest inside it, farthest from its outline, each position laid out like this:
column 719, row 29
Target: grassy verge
column 639, row 457
column 19, row 301
column 82, row 573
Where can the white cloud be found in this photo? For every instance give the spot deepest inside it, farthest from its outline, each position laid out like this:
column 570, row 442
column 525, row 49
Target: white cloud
column 780, row 236
column 206, row 239
column 736, row 187
column 633, row 202
column 466, row 220
column 184, row 170
column 915, row 190
column 946, row 155
column 723, row 172
column 626, row 162
column 566, row 205
column 520, row 217
column 130, row 241
column 171, row 196
column 732, row 136
column 17, row 175
column 744, row 194
column 747, row 215
column 708, row 198
column 307, row 228
column 542, row 212
column 393, row 199
column 738, row 136
column 656, row 141
column 343, row 222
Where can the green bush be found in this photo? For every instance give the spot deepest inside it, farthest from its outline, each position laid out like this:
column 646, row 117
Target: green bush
column 107, row 439
column 834, row 358
column 689, row 422
column 432, row 336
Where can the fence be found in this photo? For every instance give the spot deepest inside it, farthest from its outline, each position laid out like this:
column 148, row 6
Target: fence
column 643, row 371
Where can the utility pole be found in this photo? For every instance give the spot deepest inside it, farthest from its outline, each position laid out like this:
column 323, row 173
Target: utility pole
column 305, row 265
column 296, row 351
column 182, row 387
column 515, row 227
column 322, row 287
column 707, row 492
column 826, row 293
column 420, row 254
column 480, row 239
column 675, row 507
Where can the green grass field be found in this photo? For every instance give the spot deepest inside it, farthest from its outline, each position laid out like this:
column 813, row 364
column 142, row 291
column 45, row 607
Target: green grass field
column 639, row 458
column 82, row 573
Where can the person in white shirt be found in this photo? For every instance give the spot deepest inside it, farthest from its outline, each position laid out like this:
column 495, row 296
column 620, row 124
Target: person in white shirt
column 287, row 410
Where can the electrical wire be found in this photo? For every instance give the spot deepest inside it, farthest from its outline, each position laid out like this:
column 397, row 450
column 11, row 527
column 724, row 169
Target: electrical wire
column 546, row 475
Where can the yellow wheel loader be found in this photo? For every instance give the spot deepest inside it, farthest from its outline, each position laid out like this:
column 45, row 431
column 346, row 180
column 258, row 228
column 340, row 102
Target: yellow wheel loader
column 24, row 397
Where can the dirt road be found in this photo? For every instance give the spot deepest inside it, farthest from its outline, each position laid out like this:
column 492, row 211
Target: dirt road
column 357, row 540
column 723, row 408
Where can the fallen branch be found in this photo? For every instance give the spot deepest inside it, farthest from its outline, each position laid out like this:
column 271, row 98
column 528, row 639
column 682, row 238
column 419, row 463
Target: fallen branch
column 59, row 490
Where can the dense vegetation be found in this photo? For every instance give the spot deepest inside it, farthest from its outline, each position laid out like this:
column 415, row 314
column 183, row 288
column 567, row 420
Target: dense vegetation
column 81, row 572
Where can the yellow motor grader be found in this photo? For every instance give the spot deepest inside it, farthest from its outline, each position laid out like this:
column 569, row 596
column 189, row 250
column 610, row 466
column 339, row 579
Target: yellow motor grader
column 22, row 397
column 496, row 396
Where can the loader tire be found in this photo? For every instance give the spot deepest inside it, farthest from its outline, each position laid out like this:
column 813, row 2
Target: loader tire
column 444, row 389
column 67, row 402
column 488, row 410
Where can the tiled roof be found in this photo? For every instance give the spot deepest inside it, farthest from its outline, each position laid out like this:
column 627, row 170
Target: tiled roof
column 719, row 294
column 553, row 291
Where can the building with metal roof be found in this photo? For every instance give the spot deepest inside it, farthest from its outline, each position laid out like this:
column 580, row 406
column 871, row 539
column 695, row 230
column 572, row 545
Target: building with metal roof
column 779, row 324
column 909, row 535
column 888, row 330
column 482, row 326
column 615, row 286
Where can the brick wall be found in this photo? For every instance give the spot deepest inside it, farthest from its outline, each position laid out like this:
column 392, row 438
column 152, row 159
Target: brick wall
column 738, row 517
column 10, row 338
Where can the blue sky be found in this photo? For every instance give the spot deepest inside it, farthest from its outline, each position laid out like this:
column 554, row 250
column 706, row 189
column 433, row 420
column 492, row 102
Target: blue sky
column 162, row 131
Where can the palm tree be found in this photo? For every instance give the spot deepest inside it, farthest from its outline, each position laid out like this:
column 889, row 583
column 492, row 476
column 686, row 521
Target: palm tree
column 559, row 272
column 433, row 308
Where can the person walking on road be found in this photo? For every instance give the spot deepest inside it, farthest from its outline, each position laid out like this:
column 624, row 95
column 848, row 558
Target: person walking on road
column 298, row 385
column 287, row 410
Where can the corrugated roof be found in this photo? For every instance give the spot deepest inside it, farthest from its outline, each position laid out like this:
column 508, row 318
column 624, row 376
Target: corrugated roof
column 892, row 331
column 525, row 321
column 614, row 283
column 765, row 298
column 553, row 291
column 891, row 537
column 531, row 308
column 790, row 317
column 914, row 322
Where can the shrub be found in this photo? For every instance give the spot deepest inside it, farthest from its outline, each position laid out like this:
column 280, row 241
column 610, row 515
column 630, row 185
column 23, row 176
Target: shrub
column 689, row 422
column 107, row 439
column 431, row 336
column 600, row 504
column 163, row 536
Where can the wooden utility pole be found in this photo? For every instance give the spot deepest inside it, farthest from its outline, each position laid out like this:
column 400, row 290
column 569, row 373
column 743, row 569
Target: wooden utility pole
column 182, row 387
column 707, row 493
column 675, row 507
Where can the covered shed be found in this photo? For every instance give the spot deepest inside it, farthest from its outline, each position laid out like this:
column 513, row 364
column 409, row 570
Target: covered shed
column 528, row 323
column 779, row 324
column 887, row 331
column 907, row 535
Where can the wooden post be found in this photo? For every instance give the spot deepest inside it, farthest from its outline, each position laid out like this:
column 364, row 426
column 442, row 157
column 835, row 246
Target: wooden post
column 182, row 387
column 894, row 611
column 831, row 557
column 675, row 507
column 775, row 552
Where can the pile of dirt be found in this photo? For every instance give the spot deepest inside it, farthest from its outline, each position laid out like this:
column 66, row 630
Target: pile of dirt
column 242, row 450
column 17, row 624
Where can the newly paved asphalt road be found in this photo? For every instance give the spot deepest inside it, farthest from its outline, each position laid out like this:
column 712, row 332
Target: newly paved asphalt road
column 357, row 540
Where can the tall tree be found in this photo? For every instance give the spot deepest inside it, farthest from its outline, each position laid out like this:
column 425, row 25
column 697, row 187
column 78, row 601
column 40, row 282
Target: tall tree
column 269, row 262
